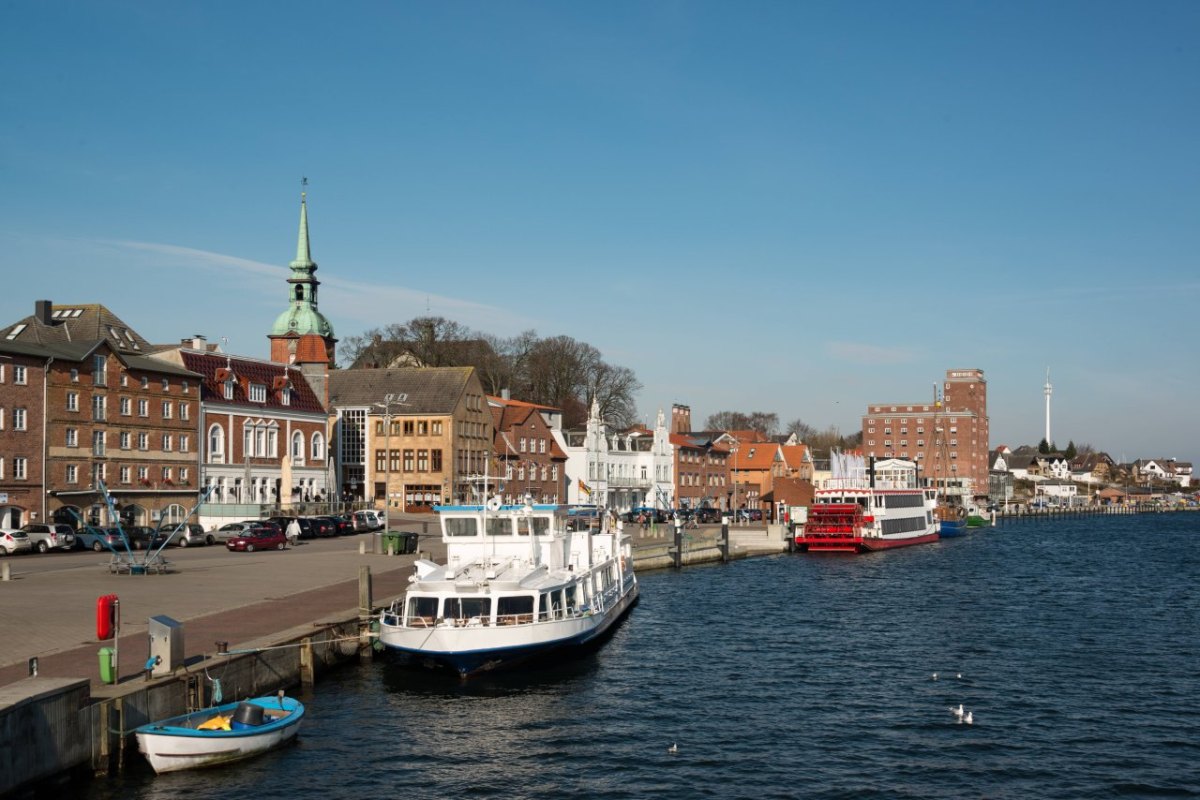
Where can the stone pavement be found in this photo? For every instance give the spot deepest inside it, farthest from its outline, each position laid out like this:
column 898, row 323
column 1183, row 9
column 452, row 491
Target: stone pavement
column 48, row 609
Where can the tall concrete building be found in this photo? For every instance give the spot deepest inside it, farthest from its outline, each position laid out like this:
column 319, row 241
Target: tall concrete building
column 946, row 434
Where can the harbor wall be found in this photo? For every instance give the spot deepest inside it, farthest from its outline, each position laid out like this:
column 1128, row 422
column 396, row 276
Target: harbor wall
column 57, row 727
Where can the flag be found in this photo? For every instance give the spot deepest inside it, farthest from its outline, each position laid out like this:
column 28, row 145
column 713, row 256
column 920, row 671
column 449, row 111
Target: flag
column 583, row 487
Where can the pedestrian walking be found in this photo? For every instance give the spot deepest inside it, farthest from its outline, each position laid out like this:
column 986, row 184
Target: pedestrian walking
column 293, row 532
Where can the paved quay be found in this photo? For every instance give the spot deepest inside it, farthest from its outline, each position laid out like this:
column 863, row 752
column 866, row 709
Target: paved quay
column 49, row 605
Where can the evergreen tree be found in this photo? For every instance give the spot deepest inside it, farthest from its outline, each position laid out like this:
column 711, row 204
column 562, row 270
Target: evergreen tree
column 1071, row 452
column 1043, row 447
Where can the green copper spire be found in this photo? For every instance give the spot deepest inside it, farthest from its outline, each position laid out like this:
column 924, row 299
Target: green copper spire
column 302, row 316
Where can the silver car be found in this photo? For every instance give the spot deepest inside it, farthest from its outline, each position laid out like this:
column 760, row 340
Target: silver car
column 14, row 541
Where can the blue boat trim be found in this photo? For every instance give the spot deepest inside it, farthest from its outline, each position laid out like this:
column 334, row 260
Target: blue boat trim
column 172, row 727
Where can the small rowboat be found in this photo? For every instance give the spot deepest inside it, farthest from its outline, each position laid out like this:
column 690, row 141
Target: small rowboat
column 221, row 734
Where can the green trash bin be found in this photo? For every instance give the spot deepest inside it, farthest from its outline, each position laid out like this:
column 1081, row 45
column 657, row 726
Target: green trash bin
column 391, row 542
column 108, row 667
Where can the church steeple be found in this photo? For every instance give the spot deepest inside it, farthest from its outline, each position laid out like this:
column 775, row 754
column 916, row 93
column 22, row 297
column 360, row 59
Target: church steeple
column 302, row 321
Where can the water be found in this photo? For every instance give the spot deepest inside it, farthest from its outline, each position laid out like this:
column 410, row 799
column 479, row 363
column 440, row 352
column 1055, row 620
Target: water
column 804, row 676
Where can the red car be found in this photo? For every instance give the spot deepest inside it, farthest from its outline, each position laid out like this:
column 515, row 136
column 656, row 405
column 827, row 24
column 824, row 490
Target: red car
column 260, row 538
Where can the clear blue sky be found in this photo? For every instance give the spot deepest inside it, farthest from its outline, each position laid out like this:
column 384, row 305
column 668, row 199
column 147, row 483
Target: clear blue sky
column 720, row 196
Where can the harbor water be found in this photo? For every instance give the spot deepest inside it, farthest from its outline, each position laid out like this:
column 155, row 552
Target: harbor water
column 1074, row 643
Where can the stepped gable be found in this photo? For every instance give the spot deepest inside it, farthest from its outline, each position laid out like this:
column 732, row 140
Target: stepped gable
column 430, row 390
column 248, row 371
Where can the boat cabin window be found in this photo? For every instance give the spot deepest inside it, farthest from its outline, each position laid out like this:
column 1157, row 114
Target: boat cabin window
column 467, row 607
column 572, row 599
column 461, row 526
column 551, row 605
column 539, row 525
column 514, row 610
column 423, row 607
column 499, row 526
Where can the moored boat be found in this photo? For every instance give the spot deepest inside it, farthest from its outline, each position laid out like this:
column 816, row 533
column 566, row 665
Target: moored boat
column 875, row 505
column 517, row 584
column 221, row 734
column 951, row 520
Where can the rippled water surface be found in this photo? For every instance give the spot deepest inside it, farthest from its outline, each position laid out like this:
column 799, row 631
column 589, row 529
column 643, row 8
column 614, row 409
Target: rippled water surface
column 805, row 676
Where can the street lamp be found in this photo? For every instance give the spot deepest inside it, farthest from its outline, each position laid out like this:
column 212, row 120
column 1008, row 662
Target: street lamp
column 389, row 400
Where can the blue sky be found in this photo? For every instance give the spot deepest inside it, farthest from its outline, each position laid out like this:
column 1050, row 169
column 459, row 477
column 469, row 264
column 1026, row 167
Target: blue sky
column 791, row 207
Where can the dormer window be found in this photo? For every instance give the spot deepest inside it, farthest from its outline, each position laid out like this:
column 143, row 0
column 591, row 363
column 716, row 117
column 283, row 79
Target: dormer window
column 258, row 393
column 228, row 390
column 285, row 396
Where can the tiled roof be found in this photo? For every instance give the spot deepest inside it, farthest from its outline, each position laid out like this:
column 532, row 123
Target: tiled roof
column 85, row 322
column 521, row 403
column 430, row 390
column 755, row 455
column 794, row 455
column 80, row 351
column 249, row 371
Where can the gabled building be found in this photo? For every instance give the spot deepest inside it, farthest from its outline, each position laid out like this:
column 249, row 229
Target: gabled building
column 529, row 462
column 701, row 471
column 86, row 407
column 411, row 437
column 619, row 470
column 264, row 434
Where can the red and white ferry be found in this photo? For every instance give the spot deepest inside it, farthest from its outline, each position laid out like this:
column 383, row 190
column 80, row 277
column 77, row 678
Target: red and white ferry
column 873, row 505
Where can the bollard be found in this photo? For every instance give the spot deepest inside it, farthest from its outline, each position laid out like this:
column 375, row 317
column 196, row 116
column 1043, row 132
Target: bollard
column 678, row 554
column 724, row 540
column 362, row 547
column 7, row 571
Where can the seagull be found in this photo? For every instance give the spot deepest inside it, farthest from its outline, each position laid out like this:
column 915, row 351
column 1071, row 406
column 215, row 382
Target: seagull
column 970, row 720
column 958, row 675
column 673, row 749
column 958, row 712
column 934, row 676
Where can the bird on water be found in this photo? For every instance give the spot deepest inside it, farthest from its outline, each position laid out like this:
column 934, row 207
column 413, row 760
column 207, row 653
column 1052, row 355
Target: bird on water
column 673, row 749
column 969, row 719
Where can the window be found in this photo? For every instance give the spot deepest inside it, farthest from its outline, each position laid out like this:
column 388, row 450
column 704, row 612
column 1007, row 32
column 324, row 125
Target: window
column 126, row 407
column 145, row 382
column 19, row 465
column 542, row 447
column 216, row 443
column 380, row 460
column 143, row 408
column 99, row 370
column 184, row 386
column 436, row 427
column 166, row 442
column 408, row 427
column 183, row 474
column 125, row 438
column 143, row 474
column 166, row 474
column 285, row 397
column 19, row 379
column 394, row 460
column 297, row 449
column 166, row 384
column 72, row 473
column 72, row 401
column 273, row 443
column 98, row 443
column 18, row 419
column 521, row 444
column 228, row 390
column 166, row 409
column 408, row 460
column 318, row 447
column 74, row 375
column 423, row 428
column 422, row 461
column 98, row 408
column 143, row 441
column 125, row 471
column 185, row 411
column 435, row 460
column 124, row 378
column 183, row 442
column 72, row 437
column 258, row 393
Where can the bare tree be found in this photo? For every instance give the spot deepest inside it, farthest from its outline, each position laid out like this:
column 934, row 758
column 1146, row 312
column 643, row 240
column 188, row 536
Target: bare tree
column 765, row 424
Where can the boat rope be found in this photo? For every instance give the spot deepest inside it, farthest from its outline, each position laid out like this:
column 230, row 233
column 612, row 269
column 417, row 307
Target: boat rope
column 253, row 650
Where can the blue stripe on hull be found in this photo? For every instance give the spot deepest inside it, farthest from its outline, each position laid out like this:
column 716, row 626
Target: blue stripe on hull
column 475, row 662
column 950, row 528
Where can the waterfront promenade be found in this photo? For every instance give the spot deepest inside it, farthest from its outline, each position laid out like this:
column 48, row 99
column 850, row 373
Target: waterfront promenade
column 49, row 605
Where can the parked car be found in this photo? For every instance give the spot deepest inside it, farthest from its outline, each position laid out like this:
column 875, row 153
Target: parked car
column 343, row 526
column 306, row 526
column 190, row 534
column 47, row 537
column 260, row 538
column 323, row 526
column 98, row 539
column 14, row 541
column 143, row 537
column 232, row 529
column 368, row 520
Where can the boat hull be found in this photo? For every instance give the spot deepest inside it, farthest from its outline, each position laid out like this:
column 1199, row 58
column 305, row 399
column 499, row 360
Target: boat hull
column 472, row 651
column 949, row 528
column 859, row 544
column 175, row 744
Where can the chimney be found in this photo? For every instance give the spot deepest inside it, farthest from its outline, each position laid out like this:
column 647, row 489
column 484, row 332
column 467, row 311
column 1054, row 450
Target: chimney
column 505, row 394
column 199, row 342
column 42, row 310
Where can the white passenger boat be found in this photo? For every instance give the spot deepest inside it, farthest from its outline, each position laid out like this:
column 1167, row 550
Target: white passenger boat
column 869, row 506
column 219, row 735
column 517, row 584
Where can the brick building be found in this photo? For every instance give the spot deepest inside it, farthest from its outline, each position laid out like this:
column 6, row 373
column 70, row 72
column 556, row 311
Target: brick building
column 106, row 413
column 528, row 458
column 947, row 436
